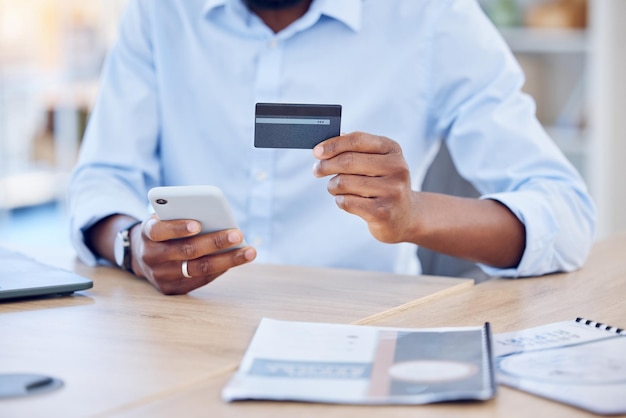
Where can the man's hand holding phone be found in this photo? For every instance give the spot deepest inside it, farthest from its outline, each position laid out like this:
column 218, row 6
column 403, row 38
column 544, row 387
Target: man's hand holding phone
column 190, row 241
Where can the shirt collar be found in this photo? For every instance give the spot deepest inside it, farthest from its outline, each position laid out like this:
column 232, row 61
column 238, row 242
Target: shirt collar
column 346, row 11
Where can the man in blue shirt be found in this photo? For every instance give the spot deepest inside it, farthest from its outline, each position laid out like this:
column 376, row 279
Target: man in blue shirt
column 176, row 107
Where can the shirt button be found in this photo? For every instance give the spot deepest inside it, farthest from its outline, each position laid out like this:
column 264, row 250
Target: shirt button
column 273, row 43
column 261, row 175
column 257, row 242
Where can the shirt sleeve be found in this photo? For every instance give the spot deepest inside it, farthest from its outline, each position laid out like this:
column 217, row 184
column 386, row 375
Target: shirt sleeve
column 117, row 162
column 497, row 143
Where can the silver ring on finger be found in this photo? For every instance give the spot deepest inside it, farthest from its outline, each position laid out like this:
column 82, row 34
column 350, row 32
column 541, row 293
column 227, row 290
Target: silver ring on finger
column 185, row 271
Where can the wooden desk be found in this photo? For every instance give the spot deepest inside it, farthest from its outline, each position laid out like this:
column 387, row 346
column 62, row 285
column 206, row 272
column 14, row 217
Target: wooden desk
column 123, row 345
column 596, row 291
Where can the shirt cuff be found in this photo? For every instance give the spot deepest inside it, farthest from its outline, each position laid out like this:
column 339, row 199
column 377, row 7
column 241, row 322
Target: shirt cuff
column 531, row 208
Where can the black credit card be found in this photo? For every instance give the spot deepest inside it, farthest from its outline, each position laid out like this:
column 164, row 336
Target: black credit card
column 290, row 125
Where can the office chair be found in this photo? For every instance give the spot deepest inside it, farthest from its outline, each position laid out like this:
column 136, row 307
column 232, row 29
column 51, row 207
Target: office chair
column 442, row 177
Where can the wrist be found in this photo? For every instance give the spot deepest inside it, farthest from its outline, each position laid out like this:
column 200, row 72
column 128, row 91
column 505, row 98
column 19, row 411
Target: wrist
column 122, row 247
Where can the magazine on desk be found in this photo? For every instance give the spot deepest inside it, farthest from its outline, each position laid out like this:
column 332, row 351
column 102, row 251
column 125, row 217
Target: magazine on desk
column 578, row 362
column 358, row 364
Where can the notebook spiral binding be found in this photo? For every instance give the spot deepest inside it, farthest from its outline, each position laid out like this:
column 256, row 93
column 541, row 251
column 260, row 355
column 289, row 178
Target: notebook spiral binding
column 600, row 325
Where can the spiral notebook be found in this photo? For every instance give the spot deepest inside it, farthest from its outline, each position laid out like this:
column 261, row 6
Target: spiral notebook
column 579, row 362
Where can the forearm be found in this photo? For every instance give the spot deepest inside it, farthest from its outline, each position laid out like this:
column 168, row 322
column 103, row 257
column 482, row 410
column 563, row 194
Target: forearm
column 484, row 231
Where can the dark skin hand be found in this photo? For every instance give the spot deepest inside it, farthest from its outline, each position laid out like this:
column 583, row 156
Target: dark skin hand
column 371, row 179
column 160, row 247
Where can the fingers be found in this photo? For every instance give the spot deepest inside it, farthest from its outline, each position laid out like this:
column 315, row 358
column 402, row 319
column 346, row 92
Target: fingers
column 214, row 264
column 363, row 165
column 354, row 142
column 356, row 153
column 375, row 209
column 370, row 179
column 188, row 248
column 388, row 220
column 367, row 187
column 372, row 165
column 158, row 230
column 162, row 246
column 170, row 280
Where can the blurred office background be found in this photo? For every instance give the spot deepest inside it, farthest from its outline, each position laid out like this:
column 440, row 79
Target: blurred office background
column 51, row 52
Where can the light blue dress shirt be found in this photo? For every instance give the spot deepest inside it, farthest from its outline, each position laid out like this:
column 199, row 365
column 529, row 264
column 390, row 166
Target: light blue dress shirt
column 177, row 100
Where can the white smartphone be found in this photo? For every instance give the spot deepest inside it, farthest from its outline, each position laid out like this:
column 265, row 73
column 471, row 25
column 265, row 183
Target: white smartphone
column 204, row 203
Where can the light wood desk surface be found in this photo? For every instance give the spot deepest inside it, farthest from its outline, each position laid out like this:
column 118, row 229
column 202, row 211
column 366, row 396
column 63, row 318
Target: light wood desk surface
column 597, row 291
column 123, row 345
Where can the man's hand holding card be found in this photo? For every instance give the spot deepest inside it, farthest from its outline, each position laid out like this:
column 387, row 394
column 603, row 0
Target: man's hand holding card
column 370, row 177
